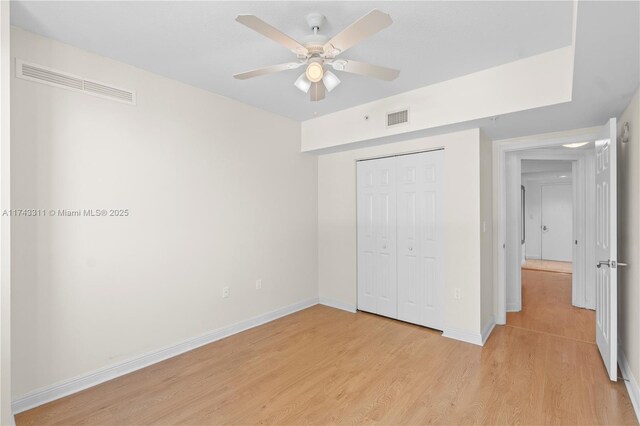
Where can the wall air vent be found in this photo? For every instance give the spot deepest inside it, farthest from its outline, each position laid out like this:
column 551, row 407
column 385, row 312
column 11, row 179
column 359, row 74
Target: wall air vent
column 398, row 117
column 41, row 74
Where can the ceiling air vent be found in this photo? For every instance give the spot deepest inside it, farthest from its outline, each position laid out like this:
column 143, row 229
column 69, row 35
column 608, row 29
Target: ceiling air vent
column 41, row 74
column 398, row 117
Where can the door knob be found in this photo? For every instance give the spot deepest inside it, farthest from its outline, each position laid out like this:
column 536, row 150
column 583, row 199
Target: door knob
column 545, row 228
column 610, row 263
column 410, row 248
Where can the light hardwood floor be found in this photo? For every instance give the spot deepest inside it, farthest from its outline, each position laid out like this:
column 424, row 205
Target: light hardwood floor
column 325, row 366
column 546, row 307
column 548, row 265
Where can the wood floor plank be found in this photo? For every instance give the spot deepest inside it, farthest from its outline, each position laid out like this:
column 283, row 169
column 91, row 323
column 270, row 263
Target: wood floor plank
column 325, row 366
column 546, row 307
column 548, row 265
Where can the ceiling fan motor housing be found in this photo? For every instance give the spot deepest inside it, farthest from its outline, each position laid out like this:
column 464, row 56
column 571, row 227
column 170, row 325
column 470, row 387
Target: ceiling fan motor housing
column 315, row 20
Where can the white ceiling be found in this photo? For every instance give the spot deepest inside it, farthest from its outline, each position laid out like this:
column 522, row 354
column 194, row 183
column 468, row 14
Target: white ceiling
column 199, row 43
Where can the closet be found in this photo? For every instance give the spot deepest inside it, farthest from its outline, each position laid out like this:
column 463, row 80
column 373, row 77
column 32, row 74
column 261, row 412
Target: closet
column 400, row 237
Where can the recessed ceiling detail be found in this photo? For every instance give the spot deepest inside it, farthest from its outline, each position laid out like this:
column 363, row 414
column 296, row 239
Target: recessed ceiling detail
column 317, row 52
column 201, row 44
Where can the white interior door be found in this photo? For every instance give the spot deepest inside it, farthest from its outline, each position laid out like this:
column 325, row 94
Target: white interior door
column 420, row 268
column 376, row 205
column 556, row 222
column 606, row 249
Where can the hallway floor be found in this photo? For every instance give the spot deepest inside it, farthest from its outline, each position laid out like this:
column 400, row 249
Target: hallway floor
column 547, row 308
column 548, row 265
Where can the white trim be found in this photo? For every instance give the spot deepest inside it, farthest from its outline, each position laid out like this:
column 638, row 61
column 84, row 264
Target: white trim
column 513, row 307
column 630, row 382
column 337, row 304
column 96, row 377
column 463, row 335
column 487, row 329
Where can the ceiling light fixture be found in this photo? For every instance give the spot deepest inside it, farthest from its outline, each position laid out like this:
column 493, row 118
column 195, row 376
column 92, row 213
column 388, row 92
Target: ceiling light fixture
column 314, row 72
column 330, row 80
column 302, row 83
column 562, row 176
column 575, row 145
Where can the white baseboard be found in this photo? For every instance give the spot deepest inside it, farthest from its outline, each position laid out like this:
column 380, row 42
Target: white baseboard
column 630, row 382
column 77, row 384
column 463, row 335
column 487, row 329
column 337, row 304
column 514, row 307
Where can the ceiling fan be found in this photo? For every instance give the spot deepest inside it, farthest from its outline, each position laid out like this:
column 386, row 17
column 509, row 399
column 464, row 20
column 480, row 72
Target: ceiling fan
column 318, row 52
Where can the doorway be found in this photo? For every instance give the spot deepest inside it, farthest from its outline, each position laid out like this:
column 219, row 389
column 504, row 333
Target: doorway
column 595, row 202
column 549, row 195
column 548, row 215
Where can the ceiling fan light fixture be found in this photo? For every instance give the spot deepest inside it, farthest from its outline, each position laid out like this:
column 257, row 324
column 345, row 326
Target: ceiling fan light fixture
column 317, row 50
column 303, row 83
column 575, row 145
column 314, row 72
column 330, row 80
column 339, row 64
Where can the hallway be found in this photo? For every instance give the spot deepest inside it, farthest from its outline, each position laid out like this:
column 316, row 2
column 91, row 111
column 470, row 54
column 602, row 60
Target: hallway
column 546, row 307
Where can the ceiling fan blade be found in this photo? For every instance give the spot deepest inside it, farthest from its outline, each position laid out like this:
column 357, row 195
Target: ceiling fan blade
column 274, row 34
column 317, row 91
column 268, row 70
column 364, row 27
column 362, row 68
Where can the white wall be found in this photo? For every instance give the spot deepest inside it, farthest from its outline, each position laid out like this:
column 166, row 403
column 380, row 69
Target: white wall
column 513, row 240
column 462, row 210
column 629, row 237
column 6, row 416
column 486, row 232
column 218, row 191
column 532, row 221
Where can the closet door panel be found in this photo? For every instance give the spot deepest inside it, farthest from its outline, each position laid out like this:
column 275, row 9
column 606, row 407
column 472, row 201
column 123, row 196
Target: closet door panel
column 409, row 288
column 366, row 238
column 377, row 271
column 420, row 260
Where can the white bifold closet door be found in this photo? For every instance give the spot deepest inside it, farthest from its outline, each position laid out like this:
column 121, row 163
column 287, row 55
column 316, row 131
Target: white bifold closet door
column 400, row 217
column 377, row 277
